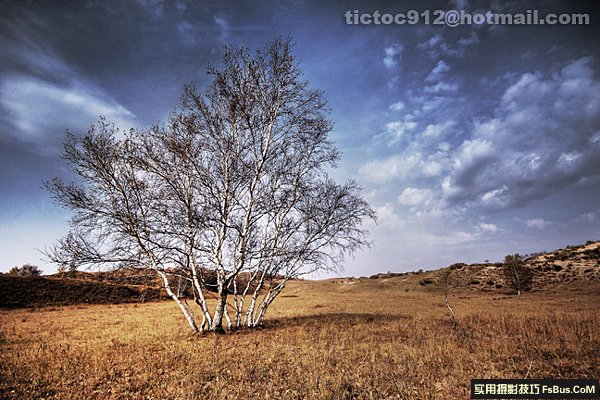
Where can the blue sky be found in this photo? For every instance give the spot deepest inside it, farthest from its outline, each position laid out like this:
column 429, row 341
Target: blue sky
column 470, row 142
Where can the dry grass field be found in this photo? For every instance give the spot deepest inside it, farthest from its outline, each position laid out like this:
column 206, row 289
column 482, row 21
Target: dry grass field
column 332, row 339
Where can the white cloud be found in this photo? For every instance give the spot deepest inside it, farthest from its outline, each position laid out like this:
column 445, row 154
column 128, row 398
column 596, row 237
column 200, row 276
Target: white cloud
column 458, row 237
column 590, row 216
column 492, row 228
column 187, row 33
column 415, row 197
column 397, row 129
column 568, row 159
column 402, row 166
column 388, row 219
column 472, row 153
column 436, row 46
column 440, row 87
column 496, row 197
column 397, row 106
column 39, row 108
column 538, row 223
column 381, row 171
column 438, row 71
column 541, row 139
column 437, row 131
column 223, row 26
column 432, row 41
column 431, row 168
column 469, row 40
column 433, row 104
column 393, row 54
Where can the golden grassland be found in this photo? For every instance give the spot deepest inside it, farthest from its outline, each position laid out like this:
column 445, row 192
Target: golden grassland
column 334, row 339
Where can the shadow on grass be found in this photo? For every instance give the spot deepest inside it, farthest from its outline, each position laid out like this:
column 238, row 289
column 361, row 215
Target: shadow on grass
column 339, row 320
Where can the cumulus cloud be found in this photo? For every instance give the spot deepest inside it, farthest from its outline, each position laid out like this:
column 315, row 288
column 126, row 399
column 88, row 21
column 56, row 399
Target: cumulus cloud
column 402, row 166
column 470, row 40
column 438, row 71
column 387, row 169
column 397, row 106
column 537, row 223
column 436, row 46
column 414, row 196
column 393, row 54
column 485, row 227
column 441, row 87
column 387, row 218
column 396, row 129
column 540, row 140
column 437, row 131
column 458, row 237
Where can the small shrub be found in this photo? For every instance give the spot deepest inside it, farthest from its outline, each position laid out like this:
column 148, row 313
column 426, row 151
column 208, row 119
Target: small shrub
column 25, row 270
column 426, row 281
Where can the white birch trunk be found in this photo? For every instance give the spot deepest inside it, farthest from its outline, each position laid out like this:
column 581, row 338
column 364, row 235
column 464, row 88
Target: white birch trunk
column 266, row 302
column 249, row 319
column 196, row 282
column 186, row 312
column 220, row 309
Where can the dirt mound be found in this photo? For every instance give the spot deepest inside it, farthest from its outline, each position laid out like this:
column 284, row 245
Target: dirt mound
column 573, row 265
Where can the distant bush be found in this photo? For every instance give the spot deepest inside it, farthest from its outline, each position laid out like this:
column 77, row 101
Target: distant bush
column 25, row 270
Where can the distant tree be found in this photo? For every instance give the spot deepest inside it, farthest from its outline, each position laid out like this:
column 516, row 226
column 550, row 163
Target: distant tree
column 517, row 273
column 447, row 284
column 25, row 270
column 234, row 186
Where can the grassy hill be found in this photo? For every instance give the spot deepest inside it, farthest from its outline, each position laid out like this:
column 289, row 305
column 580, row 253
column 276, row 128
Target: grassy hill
column 16, row 291
column 572, row 267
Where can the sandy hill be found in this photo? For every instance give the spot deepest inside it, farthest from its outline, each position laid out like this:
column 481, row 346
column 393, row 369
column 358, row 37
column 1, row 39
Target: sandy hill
column 573, row 266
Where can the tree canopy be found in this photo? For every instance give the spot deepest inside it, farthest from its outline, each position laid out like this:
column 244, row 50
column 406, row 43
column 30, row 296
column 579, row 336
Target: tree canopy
column 234, row 186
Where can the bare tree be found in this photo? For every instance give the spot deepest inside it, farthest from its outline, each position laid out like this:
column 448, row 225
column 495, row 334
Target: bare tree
column 517, row 273
column 233, row 188
column 447, row 283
